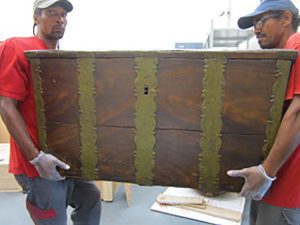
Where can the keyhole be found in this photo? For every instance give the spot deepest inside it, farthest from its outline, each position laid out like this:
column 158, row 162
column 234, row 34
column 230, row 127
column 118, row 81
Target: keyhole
column 146, row 90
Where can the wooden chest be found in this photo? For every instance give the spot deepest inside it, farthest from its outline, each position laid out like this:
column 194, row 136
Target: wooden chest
column 170, row 118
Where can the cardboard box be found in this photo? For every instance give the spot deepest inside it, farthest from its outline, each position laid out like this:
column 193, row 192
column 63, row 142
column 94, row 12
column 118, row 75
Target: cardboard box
column 7, row 180
column 4, row 135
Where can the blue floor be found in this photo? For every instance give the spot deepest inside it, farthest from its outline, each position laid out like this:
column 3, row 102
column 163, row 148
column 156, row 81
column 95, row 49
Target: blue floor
column 13, row 212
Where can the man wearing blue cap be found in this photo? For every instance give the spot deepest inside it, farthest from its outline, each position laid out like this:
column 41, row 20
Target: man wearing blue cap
column 274, row 186
column 48, row 193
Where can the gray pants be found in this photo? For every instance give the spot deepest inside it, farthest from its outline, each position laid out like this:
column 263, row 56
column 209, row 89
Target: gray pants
column 47, row 201
column 265, row 214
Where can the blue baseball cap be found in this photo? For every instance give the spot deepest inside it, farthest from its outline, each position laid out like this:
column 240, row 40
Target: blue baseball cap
column 265, row 6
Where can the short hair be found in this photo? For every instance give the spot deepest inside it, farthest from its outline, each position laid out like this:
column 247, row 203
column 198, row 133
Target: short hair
column 295, row 18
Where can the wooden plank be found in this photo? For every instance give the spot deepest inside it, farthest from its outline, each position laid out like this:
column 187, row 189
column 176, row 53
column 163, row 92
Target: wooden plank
column 216, row 211
column 128, row 193
column 178, row 200
column 107, row 189
column 249, row 54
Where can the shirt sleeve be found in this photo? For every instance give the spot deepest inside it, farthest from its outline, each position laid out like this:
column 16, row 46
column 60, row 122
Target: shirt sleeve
column 294, row 81
column 13, row 72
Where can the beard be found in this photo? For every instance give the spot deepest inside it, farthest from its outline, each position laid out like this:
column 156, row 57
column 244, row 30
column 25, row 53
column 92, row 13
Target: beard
column 262, row 41
column 56, row 33
column 263, row 46
column 266, row 45
column 267, row 41
column 55, row 36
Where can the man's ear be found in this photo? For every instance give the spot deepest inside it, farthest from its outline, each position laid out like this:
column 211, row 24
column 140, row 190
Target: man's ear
column 35, row 19
column 287, row 18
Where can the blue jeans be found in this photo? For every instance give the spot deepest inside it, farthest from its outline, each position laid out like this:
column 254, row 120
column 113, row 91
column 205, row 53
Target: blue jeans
column 47, row 201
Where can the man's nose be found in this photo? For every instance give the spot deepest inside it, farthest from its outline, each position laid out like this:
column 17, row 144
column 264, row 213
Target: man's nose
column 256, row 30
column 60, row 19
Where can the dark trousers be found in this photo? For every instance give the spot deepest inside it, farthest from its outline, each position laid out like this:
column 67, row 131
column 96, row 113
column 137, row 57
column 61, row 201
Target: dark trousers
column 262, row 213
column 47, row 201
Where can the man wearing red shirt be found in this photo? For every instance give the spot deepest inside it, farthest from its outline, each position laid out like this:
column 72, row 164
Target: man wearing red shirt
column 48, row 193
column 274, row 186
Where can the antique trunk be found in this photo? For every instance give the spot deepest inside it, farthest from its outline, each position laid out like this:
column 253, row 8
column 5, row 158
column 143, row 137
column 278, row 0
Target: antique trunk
column 170, row 118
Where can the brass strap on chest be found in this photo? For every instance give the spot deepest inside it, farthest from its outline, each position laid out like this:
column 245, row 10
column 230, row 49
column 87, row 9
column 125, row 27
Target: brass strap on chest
column 87, row 118
column 145, row 118
column 211, row 125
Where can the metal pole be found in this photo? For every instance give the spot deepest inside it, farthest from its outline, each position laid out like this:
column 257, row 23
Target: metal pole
column 229, row 14
column 211, row 36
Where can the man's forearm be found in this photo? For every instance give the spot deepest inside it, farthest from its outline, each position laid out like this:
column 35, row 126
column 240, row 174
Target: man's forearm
column 287, row 139
column 16, row 127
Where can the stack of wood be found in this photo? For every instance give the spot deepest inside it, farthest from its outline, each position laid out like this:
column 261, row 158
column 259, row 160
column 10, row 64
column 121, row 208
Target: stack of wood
column 226, row 209
column 198, row 204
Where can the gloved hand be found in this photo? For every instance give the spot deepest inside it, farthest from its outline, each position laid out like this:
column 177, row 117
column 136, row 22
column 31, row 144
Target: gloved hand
column 257, row 182
column 46, row 166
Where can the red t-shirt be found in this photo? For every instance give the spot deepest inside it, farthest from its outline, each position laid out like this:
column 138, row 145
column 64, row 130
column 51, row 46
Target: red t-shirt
column 285, row 190
column 16, row 83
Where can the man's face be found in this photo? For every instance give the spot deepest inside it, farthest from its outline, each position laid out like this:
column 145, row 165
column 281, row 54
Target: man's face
column 52, row 22
column 269, row 30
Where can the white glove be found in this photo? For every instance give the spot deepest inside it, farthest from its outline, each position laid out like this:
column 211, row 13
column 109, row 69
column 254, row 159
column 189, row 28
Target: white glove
column 257, row 182
column 46, row 165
